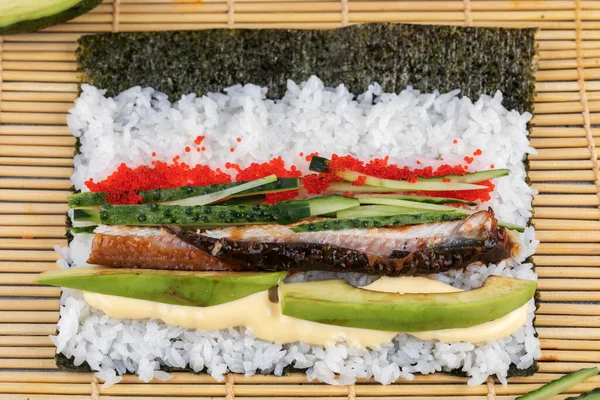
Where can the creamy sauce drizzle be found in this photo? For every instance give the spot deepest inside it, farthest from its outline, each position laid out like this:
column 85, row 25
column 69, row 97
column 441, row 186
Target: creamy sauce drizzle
column 264, row 318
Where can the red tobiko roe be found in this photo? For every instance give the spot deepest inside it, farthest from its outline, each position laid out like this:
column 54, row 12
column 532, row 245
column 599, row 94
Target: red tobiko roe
column 469, row 195
column 318, row 183
column 122, row 184
column 274, row 198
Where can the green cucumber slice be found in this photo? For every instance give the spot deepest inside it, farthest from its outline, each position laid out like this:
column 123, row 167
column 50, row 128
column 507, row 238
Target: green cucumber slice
column 473, row 177
column 331, row 204
column 559, row 385
column 412, row 218
column 197, row 216
column 222, row 194
column 373, row 211
column 421, row 184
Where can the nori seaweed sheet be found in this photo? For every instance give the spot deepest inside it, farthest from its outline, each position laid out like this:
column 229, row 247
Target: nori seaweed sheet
column 476, row 60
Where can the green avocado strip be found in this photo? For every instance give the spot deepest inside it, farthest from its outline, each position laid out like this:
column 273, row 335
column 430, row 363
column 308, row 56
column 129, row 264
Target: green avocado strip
column 199, row 289
column 336, row 302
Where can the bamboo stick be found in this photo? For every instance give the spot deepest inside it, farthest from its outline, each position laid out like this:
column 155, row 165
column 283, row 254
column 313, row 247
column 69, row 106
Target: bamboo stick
column 20, row 183
column 566, row 74
column 80, row 28
column 569, row 333
column 562, row 344
column 570, row 272
column 582, row 261
column 33, row 208
column 28, row 352
column 221, row 7
column 32, row 118
column 569, row 236
column 572, row 175
column 32, row 231
column 577, row 356
column 29, row 305
column 41, row 141
column 569, row 296
column 30, row 244
column 561, row 367
column 559, row 164
column 92, row 18
column 32, row 151
column 540, row 131
column 11, row 266
column 570, row 284
column 75, row 377
column 561, row 64
column 15, row 363
column 39, row 96
column 561, row 154
column 562, row 224
column 58, row 162
column 555, row 309
column 559, row 199
column 25, row 341
column 37, row 172
column 55, row 56
column 28, row 316
column 45, row 76
column 540, row 143
column 17, row 279
column 560, row 107
column 50, row 196
column 564, row 188
column 36, row 107
column 222, row 18
column 35, row 130
column 27, row 291
column 569, row 248
column 33, row 220
column 42, row 47
column 565, row 86
column 566, row 212
column 39, row 87
column 39, row 66
column 28, row 255
column 28, row 329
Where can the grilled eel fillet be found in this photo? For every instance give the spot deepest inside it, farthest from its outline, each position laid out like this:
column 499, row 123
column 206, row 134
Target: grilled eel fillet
column 392, row 251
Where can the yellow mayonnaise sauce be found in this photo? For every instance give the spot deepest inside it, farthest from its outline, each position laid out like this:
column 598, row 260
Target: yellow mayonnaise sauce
column 264, row 318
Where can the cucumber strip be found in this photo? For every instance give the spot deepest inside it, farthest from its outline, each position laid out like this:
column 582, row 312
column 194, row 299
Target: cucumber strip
column 83, row 229
column 413, row 218
column 591, row 395
column 220, row 195
column 318, row 164
column 197, row 216
column 91, row 199
column 472, row 177
column 421, row 184
column 280, row 185
column 331, row 204
column 404, row 203
column 235, row 201
column 373, row 211
column 377, row 191
column 559, row 385
column 424, row 206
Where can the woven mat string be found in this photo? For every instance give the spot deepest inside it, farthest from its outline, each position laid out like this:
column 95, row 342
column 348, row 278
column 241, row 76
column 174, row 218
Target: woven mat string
column 587, row 125
column 229, row 387
column 95, row 392
column 351, row 392
column 345, row 11
column 467, row 11
column 491, row 389
column 115, row 19
column 230, row 14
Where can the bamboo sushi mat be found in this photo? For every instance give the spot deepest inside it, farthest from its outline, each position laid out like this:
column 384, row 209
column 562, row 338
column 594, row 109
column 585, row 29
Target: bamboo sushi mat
column 39, row 83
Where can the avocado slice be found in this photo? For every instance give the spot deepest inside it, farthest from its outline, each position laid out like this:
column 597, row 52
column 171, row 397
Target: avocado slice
column 200, row 289
column 32, row 15
column 336, row 302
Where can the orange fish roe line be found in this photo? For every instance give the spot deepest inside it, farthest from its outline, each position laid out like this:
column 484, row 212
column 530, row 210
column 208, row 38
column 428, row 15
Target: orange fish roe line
column 274, row 198
column 469, row 195
column 256, row 171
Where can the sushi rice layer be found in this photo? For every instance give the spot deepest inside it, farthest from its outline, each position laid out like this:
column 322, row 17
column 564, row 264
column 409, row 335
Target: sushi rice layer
column 411, row 128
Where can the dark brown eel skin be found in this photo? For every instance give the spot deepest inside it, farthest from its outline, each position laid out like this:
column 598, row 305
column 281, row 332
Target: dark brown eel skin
column 246, row 255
